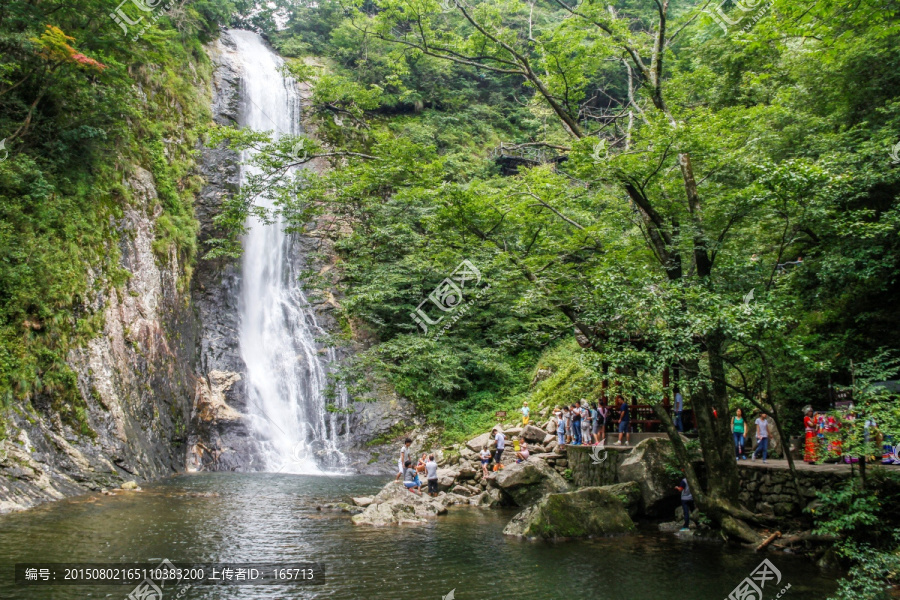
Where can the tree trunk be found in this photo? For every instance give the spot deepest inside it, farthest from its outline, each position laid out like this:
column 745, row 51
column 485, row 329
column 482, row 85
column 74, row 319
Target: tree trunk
column 723, row 512
column 713, row 419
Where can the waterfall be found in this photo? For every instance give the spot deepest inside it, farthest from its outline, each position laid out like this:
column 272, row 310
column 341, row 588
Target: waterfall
column 286, row 371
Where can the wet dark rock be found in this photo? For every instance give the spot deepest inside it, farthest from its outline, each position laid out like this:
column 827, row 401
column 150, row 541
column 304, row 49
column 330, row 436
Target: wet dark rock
column 134, row 379
column 646, row 465
column 588, row 512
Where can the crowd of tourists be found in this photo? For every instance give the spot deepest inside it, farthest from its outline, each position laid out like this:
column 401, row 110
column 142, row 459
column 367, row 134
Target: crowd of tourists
column 425, row 467
column 413, row 470
column 584, row 424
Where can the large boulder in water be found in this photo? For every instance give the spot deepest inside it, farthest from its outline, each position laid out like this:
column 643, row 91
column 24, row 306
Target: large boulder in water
column 646, row 465
column 395, row 505
column 528, row 481
column 629, row 494
column 490, row 498
column 588, row 512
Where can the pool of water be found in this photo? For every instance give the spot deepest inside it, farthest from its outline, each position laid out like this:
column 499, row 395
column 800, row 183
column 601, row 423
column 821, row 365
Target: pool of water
column 253, row 518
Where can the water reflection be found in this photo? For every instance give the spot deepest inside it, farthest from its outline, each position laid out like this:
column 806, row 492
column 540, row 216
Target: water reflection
column 247, row 517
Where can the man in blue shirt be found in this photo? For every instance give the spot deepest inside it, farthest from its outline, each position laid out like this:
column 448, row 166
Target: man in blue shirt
column 624, row 419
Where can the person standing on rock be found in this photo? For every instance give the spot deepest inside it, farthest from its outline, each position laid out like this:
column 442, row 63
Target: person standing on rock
column 576, row 425
column 762, row 437
column 624, row 422
column 567, row 424
column 431, row 469
column 560, row 429
column 585, row 423
column 485, row 460
column 500, row 439
column 405, row 455
column 595, row 422
column 526, row 413
column 738, row 428
column 687, row 501
column 601, row 413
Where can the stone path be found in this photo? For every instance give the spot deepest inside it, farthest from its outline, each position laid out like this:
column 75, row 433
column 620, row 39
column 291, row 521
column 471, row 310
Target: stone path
column 799, row 464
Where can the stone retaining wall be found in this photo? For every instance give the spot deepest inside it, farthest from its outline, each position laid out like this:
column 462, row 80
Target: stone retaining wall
column 765, row 489
column 587, row 472
column 770, row 490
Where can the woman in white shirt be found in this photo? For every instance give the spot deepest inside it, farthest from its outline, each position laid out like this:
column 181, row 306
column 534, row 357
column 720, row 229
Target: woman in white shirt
column 485, row 460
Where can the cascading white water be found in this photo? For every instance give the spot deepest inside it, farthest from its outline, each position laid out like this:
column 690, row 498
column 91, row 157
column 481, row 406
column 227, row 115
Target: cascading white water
column 286, row 371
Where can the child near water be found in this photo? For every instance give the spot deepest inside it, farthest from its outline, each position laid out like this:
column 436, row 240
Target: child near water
column 485, row 460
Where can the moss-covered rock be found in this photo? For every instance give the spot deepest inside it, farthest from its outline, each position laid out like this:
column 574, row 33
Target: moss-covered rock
column 630, row 495
column 586, row 513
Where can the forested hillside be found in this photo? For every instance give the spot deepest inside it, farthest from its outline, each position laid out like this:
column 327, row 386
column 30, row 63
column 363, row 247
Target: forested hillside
column 527, row 200
column 80, row 107
column 709, row 190
column 701, row 190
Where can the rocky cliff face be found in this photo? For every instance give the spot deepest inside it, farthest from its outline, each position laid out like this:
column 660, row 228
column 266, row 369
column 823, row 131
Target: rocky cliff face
column 135, row 380
column 163, row 385
column 219, row 438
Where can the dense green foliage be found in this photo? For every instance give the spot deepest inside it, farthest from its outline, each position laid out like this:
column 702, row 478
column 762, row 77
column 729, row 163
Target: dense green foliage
column 867, row 525
column 80, row 107
column 792, row 158
column 720, row 203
